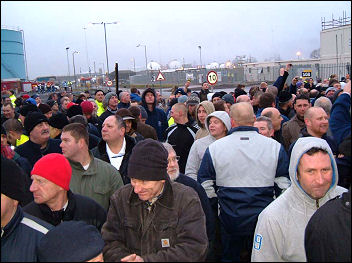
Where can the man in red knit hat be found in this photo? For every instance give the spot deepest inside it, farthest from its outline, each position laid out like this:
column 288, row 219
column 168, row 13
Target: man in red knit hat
column 53, row 200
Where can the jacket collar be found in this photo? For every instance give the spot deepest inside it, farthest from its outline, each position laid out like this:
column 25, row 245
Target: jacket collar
column 13, row 223
column 243, row 128
column 78, row 166
column 165, row 200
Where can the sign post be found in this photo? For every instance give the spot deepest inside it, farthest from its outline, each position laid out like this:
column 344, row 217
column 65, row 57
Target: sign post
column 212, row 78
column 160, row 77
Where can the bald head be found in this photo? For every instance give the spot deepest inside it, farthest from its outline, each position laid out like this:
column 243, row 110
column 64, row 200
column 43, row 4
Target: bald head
column 242, row 98
column 274, row 115
column 313, row 111
column 325, row 103
column 242, row 114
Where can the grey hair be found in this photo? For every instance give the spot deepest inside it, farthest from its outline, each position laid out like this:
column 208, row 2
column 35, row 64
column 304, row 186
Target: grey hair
column 268, row 121
column 324, row 103
column 168, row 147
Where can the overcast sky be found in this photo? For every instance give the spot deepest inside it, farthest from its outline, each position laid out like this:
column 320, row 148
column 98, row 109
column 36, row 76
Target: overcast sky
column 170, row 30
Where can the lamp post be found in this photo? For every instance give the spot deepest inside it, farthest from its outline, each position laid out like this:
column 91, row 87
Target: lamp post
column 200, row 55
column 68, row 62
column 85, row 38
column 74, row 68
column 106, row 45
column 145, row 54
column 298, row 54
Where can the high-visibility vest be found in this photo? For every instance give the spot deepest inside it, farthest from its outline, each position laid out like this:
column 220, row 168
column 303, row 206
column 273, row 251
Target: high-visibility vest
column 101, row 109
column 22, row 140
column 171, row 121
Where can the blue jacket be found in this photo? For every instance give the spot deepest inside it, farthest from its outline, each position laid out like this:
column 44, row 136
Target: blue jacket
column 156, row 118
column 241, row 170
column 21, row 236
column 280, row 82
column 340, row 118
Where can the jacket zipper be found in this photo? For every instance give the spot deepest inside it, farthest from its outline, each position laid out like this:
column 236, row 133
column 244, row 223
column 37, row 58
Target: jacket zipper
column 317, row 203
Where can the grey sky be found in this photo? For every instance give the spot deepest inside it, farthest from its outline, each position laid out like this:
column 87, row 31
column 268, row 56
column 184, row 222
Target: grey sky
column 170, row 30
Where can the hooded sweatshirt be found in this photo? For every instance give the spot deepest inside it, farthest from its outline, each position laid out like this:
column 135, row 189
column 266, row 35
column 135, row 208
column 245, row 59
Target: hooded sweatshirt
column 209, row 108
column 157, row 117
column 279, row 234
column 199, row 146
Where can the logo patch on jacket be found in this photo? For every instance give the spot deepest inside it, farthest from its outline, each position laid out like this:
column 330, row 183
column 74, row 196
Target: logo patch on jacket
column 165, row 242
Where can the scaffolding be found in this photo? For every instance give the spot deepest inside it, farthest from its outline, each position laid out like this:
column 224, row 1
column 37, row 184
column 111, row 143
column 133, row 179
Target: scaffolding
column 334, row 23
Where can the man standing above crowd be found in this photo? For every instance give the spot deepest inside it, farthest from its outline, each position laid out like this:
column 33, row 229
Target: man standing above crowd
column 279, row 234
column 156, row 117
column 242, row 198
column 153, row 219
column 91, row 176
column 203, row 94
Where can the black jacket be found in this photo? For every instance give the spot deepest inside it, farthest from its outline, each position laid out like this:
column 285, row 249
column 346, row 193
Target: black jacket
column 33, row 153
column 181, row 137
column 328, row 232
column 21, row 236
column 100, row 153
column 79, row 208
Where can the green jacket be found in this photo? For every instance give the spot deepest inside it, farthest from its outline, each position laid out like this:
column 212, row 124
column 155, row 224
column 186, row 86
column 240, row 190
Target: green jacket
column 99, row 182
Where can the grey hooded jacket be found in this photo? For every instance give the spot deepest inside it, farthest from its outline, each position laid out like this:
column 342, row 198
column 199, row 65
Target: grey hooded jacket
column 199, row 146
column 279, row 234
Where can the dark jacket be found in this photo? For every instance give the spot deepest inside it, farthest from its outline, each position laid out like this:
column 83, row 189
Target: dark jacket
column 291, row 130
column 105, row 114
column 100, row 153
column 97, row 123
column 209, row 215
column 156, row 118
column 122, row 105
column 33, row 153
column 21, row 236
column 328, row 232
column 293, row 89
column 181, row 137
column 79, row 208
column 203, row 94
column 280, row 81
column 146, row 131
column 173, row 230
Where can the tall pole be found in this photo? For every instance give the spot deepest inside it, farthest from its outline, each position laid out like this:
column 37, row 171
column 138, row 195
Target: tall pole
column 117, row 76
column 85, row 38
column 74, row 67
column 200, row 55
column 337, row 58
column 106, row 50
column 145, row 55
column 25, row 57
column 68, row 62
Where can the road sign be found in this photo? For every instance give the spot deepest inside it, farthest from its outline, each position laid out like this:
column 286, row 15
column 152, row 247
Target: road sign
column 160, row 76
column 109, row 83
column 212, row 77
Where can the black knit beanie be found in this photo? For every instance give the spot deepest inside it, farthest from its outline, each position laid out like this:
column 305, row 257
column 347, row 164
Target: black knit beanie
column 12, row 180
column 148, row 161
column 33, row 119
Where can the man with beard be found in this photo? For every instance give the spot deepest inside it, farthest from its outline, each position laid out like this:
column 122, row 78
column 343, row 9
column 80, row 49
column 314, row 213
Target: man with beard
column 39, row 143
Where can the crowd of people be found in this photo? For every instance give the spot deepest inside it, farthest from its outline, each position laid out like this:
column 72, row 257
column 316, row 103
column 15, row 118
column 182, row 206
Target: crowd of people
column 134, row 177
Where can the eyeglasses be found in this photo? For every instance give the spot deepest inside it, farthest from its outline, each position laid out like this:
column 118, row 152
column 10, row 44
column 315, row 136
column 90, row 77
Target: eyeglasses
column 173, row 159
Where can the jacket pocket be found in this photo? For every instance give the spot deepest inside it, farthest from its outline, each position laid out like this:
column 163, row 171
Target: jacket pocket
column 131, row 227
column 165, row 233
column 101, row 189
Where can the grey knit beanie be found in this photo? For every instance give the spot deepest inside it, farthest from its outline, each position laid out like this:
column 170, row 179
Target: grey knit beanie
column 107, row 98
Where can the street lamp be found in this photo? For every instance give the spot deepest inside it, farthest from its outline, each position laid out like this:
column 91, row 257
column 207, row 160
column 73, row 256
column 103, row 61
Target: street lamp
column 85, row 38
column 74, row 68
column 145, row 54
column 298, row 54
column 106, row 45
column 200, row 55
column 68, row 62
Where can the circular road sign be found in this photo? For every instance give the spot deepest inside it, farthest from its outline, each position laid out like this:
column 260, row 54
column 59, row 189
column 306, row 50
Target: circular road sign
column 212, row 77
column 109, row 83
